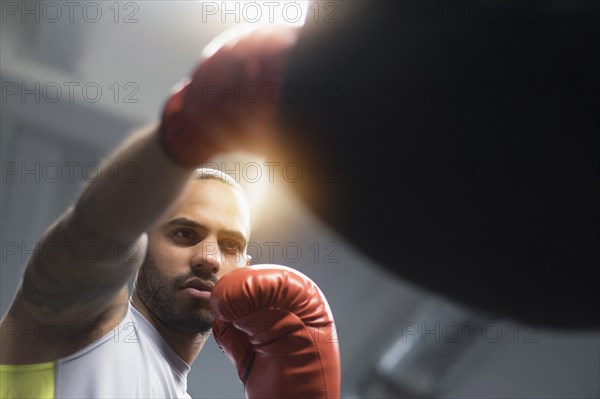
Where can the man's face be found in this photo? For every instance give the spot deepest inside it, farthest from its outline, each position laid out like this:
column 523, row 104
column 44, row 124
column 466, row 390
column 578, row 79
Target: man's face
column 203, row 237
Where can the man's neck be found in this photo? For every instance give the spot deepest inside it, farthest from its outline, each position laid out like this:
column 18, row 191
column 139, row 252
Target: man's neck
column 186, row 345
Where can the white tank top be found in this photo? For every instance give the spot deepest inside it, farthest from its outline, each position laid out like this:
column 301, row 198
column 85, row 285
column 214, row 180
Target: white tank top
column 132, row 361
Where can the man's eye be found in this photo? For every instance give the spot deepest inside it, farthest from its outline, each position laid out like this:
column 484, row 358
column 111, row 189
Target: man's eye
column 231, row 246
column 184, row 234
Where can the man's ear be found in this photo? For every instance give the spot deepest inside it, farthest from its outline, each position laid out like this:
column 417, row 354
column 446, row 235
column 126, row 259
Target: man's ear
column 248, row 260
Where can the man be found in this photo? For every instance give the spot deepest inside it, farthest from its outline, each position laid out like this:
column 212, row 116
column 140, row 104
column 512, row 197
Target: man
column 71, row 330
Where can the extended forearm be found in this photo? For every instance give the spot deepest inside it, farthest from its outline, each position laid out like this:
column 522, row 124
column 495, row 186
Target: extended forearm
column 138, row 183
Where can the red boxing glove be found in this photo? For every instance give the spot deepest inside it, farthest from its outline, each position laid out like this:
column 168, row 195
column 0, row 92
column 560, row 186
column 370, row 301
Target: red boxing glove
column 230, row 100
column 277, row 328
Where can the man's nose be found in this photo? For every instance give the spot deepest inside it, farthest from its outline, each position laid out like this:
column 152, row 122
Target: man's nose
column 207, row 256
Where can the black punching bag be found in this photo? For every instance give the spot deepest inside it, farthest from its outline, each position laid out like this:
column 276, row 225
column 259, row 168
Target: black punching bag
column 456, row 144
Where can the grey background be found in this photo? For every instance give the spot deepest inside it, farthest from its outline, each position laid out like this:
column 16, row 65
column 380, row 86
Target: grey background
column 395, row 339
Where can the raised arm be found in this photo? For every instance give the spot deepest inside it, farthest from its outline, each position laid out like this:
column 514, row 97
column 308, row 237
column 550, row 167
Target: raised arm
column 88, row 255
column 98, row 244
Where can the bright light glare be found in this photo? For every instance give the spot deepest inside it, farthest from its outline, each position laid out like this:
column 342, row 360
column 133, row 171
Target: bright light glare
column 227, row 36
column 252, row 173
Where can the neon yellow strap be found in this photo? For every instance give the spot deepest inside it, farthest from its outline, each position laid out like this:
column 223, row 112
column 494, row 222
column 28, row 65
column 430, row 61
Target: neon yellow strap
column 27, row 381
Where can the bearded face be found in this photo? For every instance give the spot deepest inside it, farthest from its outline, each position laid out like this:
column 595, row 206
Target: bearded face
column 162, row 295
column 203, row 237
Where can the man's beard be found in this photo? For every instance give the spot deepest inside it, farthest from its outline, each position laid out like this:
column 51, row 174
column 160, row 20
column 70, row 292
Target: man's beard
column 158, row 293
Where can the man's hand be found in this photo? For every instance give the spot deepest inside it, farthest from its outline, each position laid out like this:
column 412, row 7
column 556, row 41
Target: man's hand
column 231, row 98
column 275, row 325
